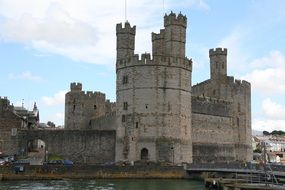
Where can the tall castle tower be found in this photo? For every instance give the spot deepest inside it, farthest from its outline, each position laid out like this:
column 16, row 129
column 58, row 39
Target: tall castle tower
column 125, row 40
column 218, row 63
column 154, row 96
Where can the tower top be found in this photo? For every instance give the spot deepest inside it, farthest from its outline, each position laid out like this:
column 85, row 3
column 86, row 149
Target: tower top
column 126, row 29
column 76, row 86
column 172, row 19
column 218, row 51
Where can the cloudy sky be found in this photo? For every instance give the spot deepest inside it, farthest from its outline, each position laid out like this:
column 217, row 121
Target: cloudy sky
column 46, row 44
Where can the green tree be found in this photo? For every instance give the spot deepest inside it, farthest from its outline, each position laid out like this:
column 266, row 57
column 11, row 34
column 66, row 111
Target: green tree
column 266, row 133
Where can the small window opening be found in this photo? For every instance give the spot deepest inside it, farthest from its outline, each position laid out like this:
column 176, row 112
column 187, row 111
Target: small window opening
column 137, row 124
column 125, row 79
column 123, row 118
column 125, row 106
column 95, row 107
column 146, row 106
column 238, row 122
column 73, row 107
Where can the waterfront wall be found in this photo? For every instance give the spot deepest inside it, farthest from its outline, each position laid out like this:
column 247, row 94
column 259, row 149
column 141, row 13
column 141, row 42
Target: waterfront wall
column 93, row 171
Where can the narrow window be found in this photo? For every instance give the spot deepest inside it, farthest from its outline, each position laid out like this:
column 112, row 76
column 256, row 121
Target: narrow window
column 125, row 105
column 73, row 107
column 238, row 107
column 137, row 124
column 123, row 118
column 95, row 107
column 146, row 106
column 125, row 79
column 237, row 121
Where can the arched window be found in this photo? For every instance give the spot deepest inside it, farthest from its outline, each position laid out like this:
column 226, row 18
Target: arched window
column 144, row 154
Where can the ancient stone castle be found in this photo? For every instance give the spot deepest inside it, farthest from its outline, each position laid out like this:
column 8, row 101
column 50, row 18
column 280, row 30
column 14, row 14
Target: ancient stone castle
column 158, row 115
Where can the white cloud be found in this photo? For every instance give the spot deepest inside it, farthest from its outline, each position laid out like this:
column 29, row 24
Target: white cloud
column 26, row 75
column 82, row 31
column 268, row 125
column 268, row 76
column 273, row 117
column 58, row 118
column 57, row 99
column 273, row 110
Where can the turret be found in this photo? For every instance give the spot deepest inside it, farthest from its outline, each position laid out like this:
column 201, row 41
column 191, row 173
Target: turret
column 175, row 34
column 76, row 87
column 125, row 40
column 218, row 63
column 158, row 43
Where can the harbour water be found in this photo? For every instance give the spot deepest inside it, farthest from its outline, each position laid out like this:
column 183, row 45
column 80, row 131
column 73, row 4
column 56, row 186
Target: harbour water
column 141, row 184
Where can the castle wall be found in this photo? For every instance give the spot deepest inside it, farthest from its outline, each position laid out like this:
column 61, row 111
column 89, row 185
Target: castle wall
column 212, row 131
column 80, row 146
column 107, row 122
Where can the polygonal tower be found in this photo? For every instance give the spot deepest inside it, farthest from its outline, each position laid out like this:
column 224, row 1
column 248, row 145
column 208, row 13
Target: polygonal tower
column 218, row 63
column 154, row 97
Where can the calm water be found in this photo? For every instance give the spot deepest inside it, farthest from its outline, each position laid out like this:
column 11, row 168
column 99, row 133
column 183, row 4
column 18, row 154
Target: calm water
column 104, row 185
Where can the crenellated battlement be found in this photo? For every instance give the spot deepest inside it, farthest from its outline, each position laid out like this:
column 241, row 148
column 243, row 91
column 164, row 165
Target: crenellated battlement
column 159, row 36
column 125, row 29
column 218, row 51
column 145, row 59
column 75, row 86
column 211, row 100
column 172, row 19
column 238, row 82
column 96, row 94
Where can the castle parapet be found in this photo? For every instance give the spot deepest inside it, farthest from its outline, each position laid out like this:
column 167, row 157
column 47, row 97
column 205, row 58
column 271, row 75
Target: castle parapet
column 211, row 106
column 96, row 94
column 218, row 51
column 76, row 86
column 125, row 29
column 238, row 82
column 172, row 19
column 156, row 60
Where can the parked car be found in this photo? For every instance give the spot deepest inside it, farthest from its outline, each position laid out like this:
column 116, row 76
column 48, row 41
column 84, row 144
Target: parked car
column 67, row 163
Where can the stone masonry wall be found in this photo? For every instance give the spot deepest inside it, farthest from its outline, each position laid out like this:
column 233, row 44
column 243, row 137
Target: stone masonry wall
column 9, row 143
column 80, row 146
column 212, row 130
